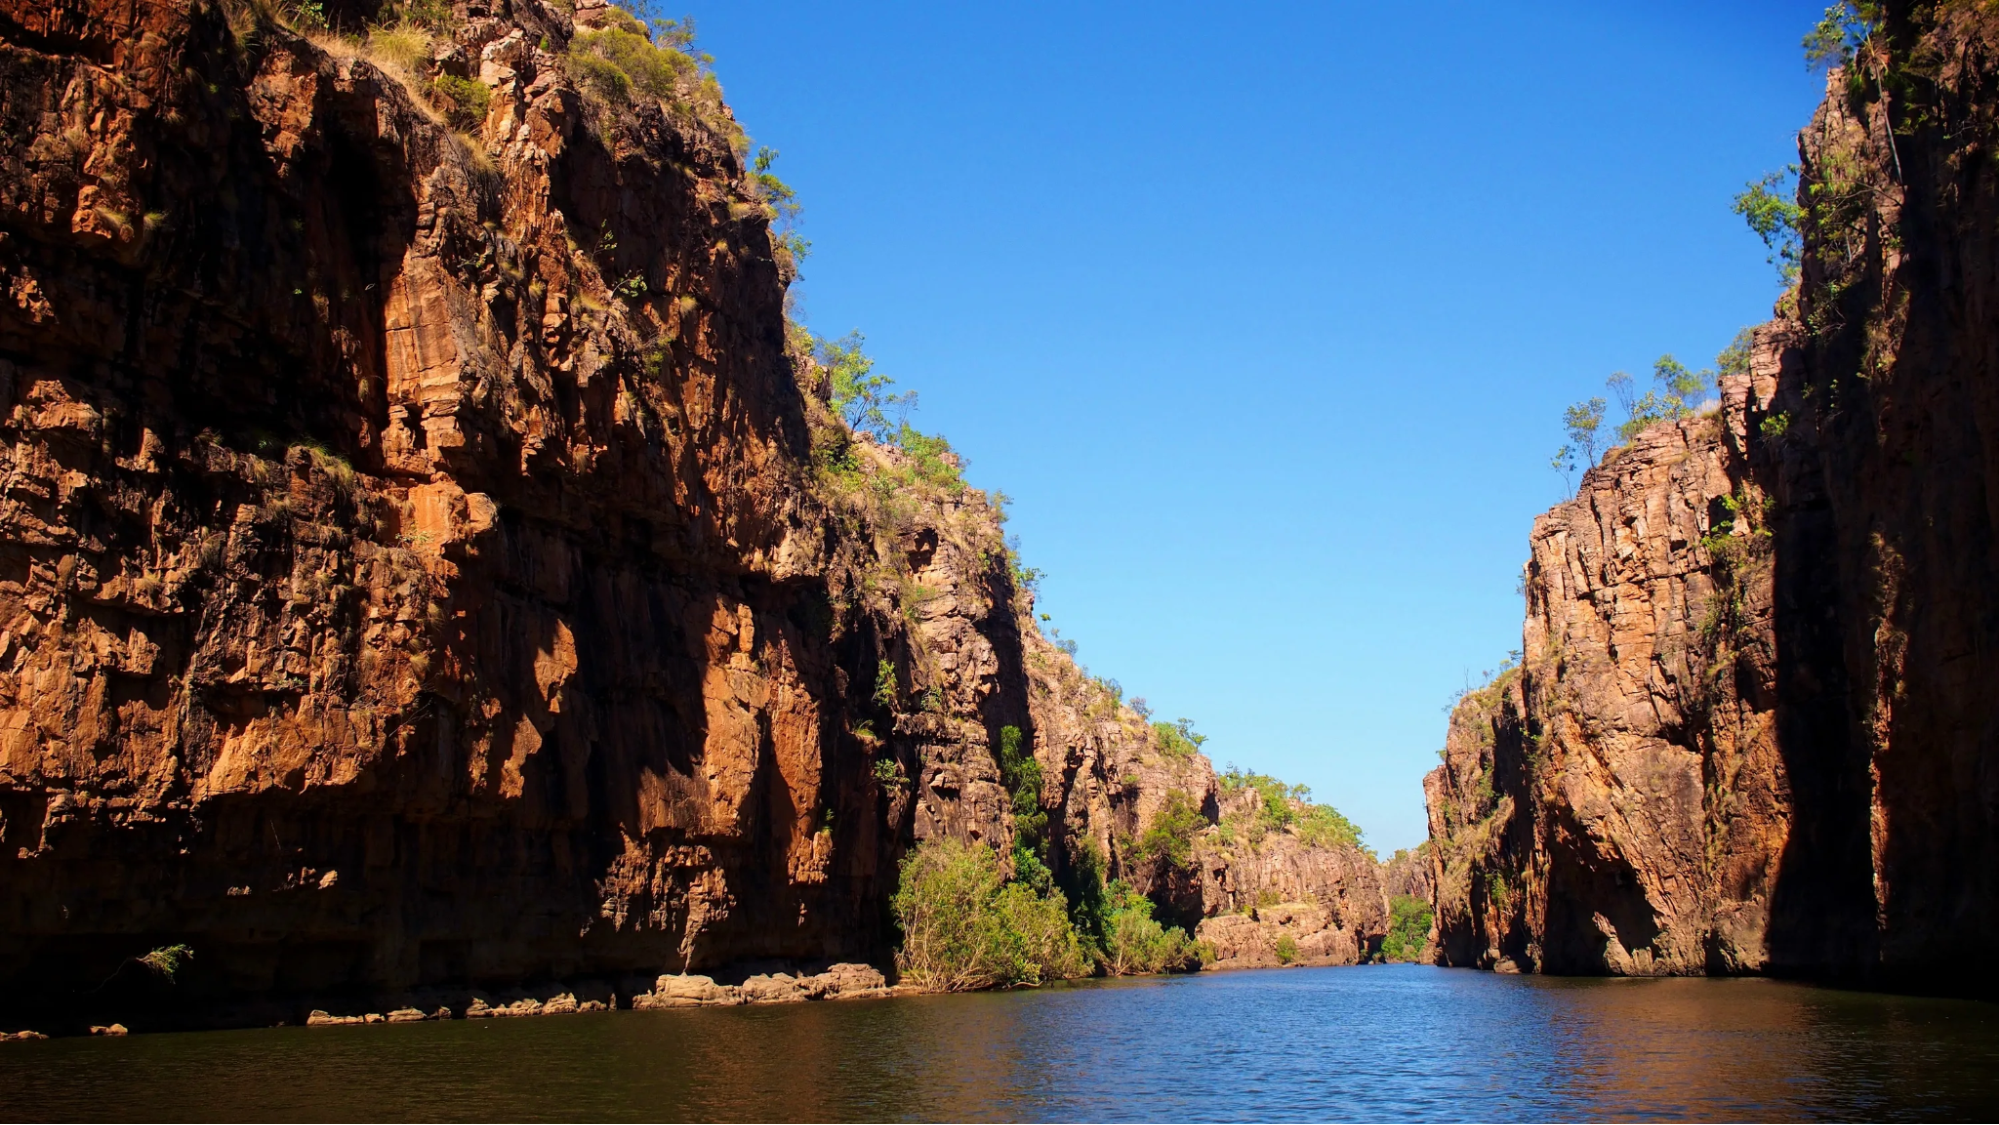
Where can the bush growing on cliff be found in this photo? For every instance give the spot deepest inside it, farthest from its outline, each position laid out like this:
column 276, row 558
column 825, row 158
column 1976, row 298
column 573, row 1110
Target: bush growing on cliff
column 1169, row 839
column 1022, row 776
column 1322, row 826
column 861, row 397
column 621, row 58
column 462, row 101
column 931, row 458
column 1840, row 33
column 887, row 690
column 1177, row 739
column 1282, row 806
column 167, row 961
column 1275, row 811
column 1114, row 922
column 1677, row 393
column 1408, row 929
column 964, row 927
column 1768, row 206
column 404, row 46
column 1082, row 881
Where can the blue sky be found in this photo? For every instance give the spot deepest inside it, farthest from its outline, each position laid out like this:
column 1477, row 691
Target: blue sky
column 1265, row 315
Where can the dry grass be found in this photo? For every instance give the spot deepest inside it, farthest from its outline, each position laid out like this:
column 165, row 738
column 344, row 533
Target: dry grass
column 401, row 52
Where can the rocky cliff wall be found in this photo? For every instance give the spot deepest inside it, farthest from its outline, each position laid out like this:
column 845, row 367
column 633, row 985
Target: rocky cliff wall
column 1261, row 886
column 427, row 558
column 1753, row 730
column 1611, row 804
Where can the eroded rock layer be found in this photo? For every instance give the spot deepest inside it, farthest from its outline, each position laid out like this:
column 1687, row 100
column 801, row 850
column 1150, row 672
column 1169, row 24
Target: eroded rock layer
column 427, row 558
column 1754, row 728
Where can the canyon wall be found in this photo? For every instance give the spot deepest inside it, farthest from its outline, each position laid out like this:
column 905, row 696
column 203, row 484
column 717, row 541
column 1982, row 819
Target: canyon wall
column 427, row 555
column 1752, row 730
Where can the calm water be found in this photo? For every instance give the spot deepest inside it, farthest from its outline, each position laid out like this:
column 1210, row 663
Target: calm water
column 1371, row 1043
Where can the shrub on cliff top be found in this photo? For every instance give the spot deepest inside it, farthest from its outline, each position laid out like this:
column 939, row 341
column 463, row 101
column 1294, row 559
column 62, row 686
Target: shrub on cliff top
column 964, row 927
column 861, row 397
column 1322, row 826
column 404, row 45
column 1177, row 739
column 1678, row 392
column 654, row 57
column 1275, row 811
column 614, row 61
column 1281, row 806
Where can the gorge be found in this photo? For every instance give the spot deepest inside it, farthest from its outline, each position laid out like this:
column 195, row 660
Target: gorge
column 439, row 576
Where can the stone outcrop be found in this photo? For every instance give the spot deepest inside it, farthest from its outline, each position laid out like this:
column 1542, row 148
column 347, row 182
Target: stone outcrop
column 840, row 982
column 1304, row 934
column 1261, row 885
column 1407, row 872
column 428, row 559
column 1751, row 732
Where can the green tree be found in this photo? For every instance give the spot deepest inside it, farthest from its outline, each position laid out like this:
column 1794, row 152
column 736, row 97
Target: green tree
column 862, row 398
column 1676, row 394
column 964, row 927
column 1135, row 942
column 1582, row 421
column 1769, row 206
column 783, row 203
column 1408, row 928
column 1734, row 359
column 1839, row 34
column 1564, row 464
column 1022, row 776
column 1083, row 883
column 931, row 457
column 1177, row 739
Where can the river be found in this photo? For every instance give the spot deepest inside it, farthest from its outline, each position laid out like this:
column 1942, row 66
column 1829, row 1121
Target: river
column 1378, row 1042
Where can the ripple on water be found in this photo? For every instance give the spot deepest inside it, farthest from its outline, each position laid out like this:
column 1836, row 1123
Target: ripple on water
column 1394, row 1042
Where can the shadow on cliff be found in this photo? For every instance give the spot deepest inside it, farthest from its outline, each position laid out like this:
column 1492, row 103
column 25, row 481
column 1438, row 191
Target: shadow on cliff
column 1822, row 900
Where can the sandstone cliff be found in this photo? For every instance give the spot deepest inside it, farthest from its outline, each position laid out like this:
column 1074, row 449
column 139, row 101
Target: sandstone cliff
column 1280, row 894
column 1609, row 805
column 1752, row 730
column 427, row 558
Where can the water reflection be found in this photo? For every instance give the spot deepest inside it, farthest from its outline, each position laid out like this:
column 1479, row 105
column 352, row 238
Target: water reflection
column 1369, row 1043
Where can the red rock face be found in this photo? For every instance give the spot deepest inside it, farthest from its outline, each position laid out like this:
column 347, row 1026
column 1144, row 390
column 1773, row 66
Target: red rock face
column 420, row 565
column 1772, row 750
column 408, row 565
column 1610, row 805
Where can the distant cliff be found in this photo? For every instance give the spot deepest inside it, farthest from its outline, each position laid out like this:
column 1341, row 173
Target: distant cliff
column 428, row 557
column 1753, row 729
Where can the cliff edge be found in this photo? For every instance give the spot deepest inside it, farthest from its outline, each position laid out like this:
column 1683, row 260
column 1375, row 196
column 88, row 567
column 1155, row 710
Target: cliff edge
column 428, row 556
column 1751, row 730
